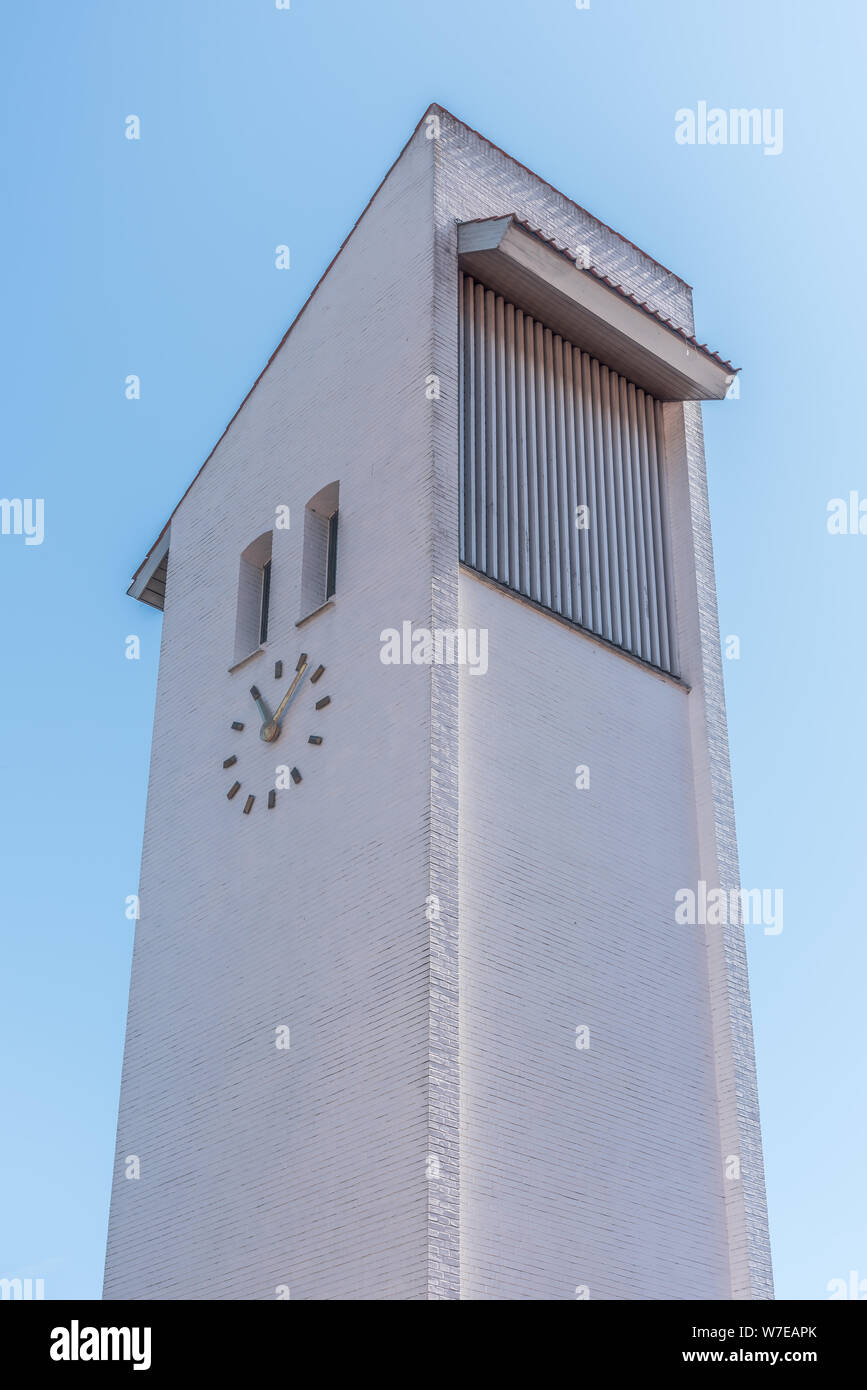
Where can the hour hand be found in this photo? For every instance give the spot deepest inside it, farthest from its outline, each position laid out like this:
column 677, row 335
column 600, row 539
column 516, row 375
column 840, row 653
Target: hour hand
column 263, row 709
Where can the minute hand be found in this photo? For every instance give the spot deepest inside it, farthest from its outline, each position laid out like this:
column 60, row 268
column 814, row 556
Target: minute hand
column 287, row 698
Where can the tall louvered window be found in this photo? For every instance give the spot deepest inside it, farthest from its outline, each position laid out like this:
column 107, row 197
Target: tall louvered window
column 562, row 487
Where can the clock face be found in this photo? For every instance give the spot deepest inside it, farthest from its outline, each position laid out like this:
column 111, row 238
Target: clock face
column 291, row 713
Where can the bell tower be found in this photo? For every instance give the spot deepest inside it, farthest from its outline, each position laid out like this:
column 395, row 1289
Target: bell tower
column 439, row 738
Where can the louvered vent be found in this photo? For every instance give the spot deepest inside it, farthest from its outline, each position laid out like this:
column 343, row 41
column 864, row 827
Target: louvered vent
column 562, row 490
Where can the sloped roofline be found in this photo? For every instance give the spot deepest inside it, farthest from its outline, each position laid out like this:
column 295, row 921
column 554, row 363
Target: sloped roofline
column 433, row 108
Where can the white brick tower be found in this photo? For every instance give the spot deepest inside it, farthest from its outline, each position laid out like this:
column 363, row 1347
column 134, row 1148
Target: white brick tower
column 411, row 1016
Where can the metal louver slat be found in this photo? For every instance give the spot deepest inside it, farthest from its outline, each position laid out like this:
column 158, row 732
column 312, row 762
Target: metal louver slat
column 562, row 488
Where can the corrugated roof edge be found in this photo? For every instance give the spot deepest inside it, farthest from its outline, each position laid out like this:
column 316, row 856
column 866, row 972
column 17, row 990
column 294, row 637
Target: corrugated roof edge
column 619, row 289
column 433, row 107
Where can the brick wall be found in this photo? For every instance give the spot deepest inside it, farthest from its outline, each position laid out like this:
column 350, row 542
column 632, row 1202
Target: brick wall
column 436, row 908
column 612, row 1175
column 304, row 1168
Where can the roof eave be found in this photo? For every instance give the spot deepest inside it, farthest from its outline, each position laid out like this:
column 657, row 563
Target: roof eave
column 149, row 581
column 589, row 310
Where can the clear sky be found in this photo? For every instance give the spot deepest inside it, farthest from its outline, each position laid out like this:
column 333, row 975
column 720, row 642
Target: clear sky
column 156, row 257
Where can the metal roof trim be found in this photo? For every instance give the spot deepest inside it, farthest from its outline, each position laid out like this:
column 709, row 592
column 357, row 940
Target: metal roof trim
column 591, row 310
column 621, row 289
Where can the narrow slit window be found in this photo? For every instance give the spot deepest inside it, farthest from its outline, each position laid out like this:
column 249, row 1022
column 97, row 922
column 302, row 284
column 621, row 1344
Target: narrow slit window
column 266, row 599
column 319, row 562
column 331, row 564
column 254, row 597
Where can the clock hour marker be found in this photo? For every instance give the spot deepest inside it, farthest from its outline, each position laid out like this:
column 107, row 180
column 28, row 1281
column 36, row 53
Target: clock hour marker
column 278, row 670
column 255, row 692
column 295, row 775
column 302, row 661
column 320, row 671
column 248, row 805
column 238, row 726
column 235, row 787
column 272, row 799
column 326, row 700
column 314, row 738
column 230, row 762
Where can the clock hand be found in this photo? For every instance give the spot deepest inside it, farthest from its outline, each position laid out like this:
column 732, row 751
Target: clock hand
column 290, row 694
column 264, row 712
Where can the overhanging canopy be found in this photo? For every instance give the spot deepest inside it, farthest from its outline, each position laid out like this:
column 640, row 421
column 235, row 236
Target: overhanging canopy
column 604, row 320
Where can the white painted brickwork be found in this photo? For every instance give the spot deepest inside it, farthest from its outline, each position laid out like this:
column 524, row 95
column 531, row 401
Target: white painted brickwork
column 304, row 1168
column 595, row 1166
column 476, row 181
column 312, row 1168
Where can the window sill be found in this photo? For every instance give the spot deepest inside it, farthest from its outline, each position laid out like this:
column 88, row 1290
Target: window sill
column 244, row 659
column 329, row 603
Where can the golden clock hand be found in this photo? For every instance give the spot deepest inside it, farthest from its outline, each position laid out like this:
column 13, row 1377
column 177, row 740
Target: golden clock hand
column 287, row 698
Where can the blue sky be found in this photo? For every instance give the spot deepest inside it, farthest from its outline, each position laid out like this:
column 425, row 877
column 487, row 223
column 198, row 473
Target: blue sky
column 156, row 257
